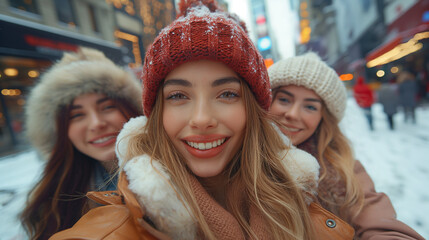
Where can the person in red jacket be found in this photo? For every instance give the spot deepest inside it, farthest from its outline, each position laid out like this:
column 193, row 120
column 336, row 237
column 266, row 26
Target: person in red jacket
column 364, row 98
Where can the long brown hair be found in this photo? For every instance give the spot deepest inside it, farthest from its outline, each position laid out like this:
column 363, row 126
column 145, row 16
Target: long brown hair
column 256, row 170
column 334, row 149
column 58, row 199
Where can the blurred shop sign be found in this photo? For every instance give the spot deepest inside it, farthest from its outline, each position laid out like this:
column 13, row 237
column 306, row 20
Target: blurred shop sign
column 396, row 8
column 404, row 35
column 268, row 62
column 23, row 38
column 264, row 43
column 425, row 17
column 49, row 43
column 405, row 43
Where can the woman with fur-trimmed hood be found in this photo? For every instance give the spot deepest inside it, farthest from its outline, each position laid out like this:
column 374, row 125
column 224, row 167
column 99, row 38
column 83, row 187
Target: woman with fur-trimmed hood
column 73, row 116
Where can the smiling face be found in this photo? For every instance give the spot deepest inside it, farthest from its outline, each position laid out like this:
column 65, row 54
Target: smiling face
column 204, row 115
column 299, row 110
column 95, row 121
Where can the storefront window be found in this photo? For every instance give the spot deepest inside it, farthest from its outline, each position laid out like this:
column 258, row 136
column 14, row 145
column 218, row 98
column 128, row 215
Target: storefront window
column 17, row 76
column 25, row 5
column 93, row 18
column 65, row 12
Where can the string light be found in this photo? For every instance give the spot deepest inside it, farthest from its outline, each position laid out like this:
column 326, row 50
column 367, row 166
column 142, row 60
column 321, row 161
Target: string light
column 346, row 77
column 33, row 73
column 11, row 92
column 380, row 73
column 127, row 5
column 11, row 72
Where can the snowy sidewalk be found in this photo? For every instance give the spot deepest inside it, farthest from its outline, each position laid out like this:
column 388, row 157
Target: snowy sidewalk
column 398, row 162
column 18, row 173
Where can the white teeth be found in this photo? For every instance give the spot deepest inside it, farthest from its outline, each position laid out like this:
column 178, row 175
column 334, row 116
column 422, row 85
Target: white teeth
column 206, row 146
column 201, row 146
column 291, row 129
column 102, row 140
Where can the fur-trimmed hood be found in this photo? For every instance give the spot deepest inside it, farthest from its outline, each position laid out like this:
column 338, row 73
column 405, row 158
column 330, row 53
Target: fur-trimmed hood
column 160, row 201
column 87, row 71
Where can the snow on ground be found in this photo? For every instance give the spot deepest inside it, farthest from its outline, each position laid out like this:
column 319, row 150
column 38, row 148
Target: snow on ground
column 18, row 173
column 397, row 161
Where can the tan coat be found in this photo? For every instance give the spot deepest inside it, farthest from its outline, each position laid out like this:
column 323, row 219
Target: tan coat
column 377, row 220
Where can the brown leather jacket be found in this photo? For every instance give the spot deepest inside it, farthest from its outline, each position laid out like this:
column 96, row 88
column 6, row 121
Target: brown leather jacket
column 122, row 218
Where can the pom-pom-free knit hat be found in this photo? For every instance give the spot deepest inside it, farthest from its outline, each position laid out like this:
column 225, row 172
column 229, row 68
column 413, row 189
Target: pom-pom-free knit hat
column 203, row 31
column 310, row 71
column 86, row 71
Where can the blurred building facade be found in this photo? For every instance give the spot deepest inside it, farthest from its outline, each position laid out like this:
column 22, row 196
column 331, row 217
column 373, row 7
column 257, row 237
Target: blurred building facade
column 35, row 33
column 373, row 39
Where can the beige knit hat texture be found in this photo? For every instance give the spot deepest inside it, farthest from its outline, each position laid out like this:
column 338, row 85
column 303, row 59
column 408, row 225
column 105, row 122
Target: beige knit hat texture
column 311, row 72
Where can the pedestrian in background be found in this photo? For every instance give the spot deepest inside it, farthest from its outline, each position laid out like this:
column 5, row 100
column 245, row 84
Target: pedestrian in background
column 73, row 116
column 205, row 162
column 408, row 95
column 388, row 97
column 364, row 97
column 309, row 101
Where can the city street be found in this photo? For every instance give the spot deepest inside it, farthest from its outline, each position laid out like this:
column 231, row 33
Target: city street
column 398, row 162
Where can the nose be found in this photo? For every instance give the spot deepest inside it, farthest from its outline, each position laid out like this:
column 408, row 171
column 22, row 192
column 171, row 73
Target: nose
column 293, row 113
column 202, row 116
column 96, row 122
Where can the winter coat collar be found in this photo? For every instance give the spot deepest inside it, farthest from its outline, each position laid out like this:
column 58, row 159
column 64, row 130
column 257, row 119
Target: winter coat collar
column 149, row 181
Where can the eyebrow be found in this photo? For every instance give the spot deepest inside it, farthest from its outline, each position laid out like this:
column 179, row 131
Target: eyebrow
column 306, row 99
column 101, row 100
column 225, row 80
column 179, row 82
column 216, row 83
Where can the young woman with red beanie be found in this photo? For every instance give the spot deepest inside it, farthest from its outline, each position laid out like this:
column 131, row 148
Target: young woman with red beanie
column 309, row 101
column 205, row 162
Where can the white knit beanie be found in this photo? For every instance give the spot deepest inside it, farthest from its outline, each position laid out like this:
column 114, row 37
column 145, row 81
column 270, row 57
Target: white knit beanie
column 311, row 72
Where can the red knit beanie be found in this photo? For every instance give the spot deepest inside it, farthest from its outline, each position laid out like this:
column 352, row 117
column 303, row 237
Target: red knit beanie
column 203, row 31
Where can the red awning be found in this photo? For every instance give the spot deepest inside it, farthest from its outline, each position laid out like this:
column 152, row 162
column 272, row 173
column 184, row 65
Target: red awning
column 400, row 38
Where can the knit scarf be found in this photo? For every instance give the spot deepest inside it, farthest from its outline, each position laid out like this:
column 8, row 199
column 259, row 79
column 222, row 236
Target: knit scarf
column 222, row 223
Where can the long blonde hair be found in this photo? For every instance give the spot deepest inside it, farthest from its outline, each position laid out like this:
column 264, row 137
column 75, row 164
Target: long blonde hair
column 334, row 148
column 257, row 168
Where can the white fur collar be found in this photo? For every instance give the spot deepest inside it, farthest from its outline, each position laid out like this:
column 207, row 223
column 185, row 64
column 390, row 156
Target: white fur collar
column 148, row 180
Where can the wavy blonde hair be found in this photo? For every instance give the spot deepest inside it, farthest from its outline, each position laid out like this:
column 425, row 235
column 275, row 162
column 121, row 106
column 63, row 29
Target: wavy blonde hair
column 334, row 148
column 257, row 168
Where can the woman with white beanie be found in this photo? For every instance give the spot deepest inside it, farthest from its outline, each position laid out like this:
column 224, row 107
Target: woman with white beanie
column 73, row 116
column 309, row 101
